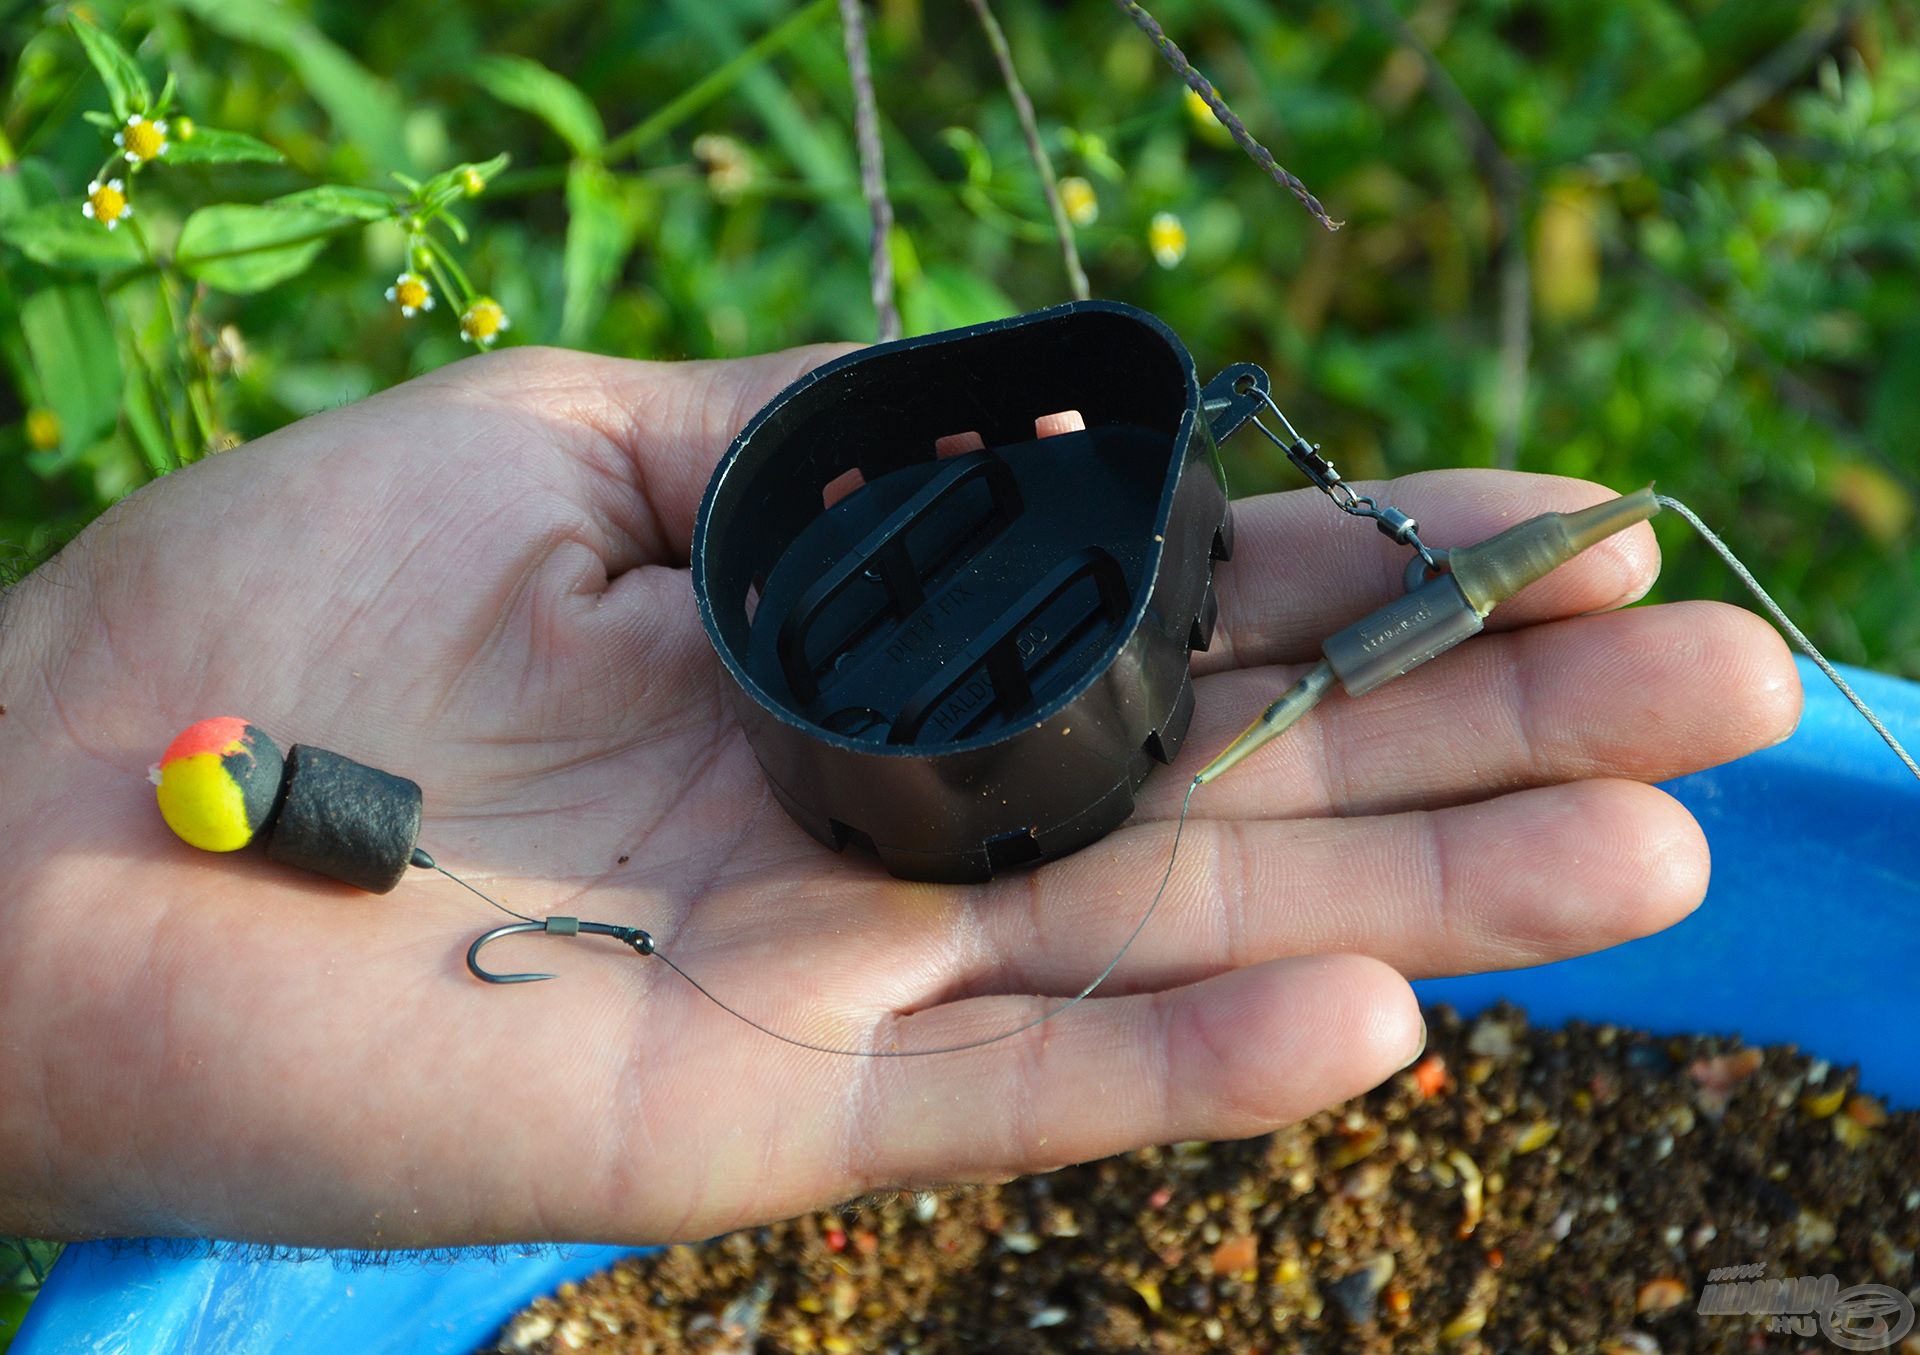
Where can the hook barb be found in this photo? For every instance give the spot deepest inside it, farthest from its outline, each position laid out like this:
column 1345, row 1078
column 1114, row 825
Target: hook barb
column 641, row 942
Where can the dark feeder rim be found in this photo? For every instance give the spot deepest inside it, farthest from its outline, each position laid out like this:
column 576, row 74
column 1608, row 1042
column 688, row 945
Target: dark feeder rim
column 1136, row 614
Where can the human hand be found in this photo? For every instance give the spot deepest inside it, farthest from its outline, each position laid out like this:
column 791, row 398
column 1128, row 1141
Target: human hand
column 477, row 580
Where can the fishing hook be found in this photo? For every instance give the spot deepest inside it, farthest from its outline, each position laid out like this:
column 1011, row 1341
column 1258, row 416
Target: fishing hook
column 640, row 941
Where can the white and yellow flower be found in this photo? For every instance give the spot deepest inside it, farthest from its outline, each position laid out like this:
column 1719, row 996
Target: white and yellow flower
column 411, row 293
column 482, row 323
column 1082, row 204
column 107, row 203
column 1167, row 238
column 141, row 140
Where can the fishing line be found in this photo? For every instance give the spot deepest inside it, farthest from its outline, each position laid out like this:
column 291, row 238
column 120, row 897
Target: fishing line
column 1438, row 612
column 1785, row 623
column 1448, row 596
column 224, row 783
column 642, row 943
column 432, row 864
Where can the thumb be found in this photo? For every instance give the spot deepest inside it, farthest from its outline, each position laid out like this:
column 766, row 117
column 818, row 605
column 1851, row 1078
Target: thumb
column 657, row 428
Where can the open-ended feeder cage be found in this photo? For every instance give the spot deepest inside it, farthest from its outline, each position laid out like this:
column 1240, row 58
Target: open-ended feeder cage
column 954, row 641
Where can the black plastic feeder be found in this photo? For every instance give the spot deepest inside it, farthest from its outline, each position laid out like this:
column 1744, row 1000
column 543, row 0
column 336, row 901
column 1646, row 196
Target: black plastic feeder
column 955, row 642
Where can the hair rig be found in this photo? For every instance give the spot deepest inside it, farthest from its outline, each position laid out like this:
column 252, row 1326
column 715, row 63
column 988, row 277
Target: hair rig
column 956, row 623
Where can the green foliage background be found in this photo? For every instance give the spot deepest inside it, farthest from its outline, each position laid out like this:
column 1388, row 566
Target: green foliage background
column 1715, row 211
column 1723, row 303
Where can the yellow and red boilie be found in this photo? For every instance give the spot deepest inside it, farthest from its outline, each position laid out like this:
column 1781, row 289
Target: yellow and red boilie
column 218, row 783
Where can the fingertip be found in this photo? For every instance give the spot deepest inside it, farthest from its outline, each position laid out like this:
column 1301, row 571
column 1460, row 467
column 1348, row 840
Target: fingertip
column 1767, row 685
column 1720, row 679
column 1552, row 872
column 1384, row 1023
column 1340, row 1023
column 1665, row 863
column 1637, row 864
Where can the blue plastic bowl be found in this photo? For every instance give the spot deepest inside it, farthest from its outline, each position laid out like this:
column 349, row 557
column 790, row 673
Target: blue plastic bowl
column 1810, row 934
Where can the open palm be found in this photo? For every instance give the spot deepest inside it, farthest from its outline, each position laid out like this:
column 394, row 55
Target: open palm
column 477, row 581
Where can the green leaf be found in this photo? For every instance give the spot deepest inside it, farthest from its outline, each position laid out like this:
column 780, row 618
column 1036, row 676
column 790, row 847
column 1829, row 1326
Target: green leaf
column 29, row 185
column 364, row 107
column 526, row 84
column 309, row 387
column 362, row 204
column 238, row 247
column 600, row 229
column 126, row 86
column 973, row 154
column 71, row 347
column 144, row 422
column 57, row 235
column 947, row 296
column 112, row 465
column 13, row 1309
column 212, row 146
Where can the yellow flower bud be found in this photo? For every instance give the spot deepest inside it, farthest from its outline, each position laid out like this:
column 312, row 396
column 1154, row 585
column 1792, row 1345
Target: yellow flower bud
column 43, row 429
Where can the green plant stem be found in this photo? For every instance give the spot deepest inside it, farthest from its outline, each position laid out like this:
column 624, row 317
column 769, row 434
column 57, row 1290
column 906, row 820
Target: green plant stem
column 444, row 281
column 439, row 257
column 203, row 368
column 712, row 86
column 154, row 264
column 1200, row 85
column 324, row 233
column 61, row 114
column 182, row 340
column 873, row 170
column 1036, row 148
column 976, row 200
column 200, row 402
column 440, row 278
column 156, row 389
